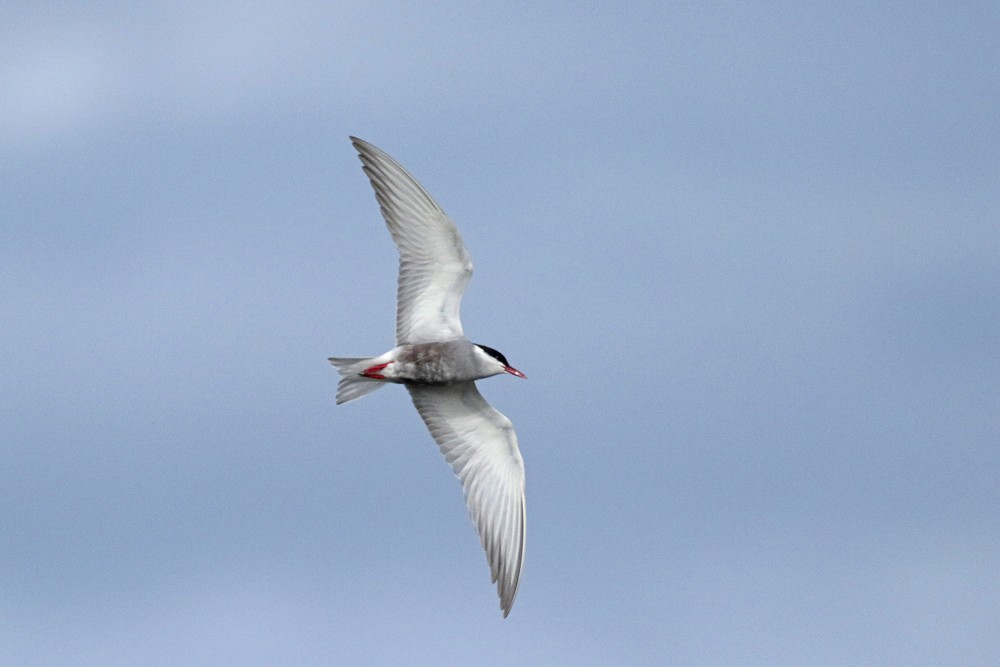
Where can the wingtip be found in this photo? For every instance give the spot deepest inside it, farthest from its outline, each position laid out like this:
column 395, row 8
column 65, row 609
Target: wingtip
column 507, row 598
column 506, row 604
column 370, row 154
column 359, row 143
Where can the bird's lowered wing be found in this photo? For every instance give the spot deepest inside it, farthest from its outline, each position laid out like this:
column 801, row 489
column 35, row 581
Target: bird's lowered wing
column 481, row 446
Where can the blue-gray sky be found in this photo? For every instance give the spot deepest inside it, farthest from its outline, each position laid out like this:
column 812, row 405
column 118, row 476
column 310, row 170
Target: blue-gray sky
column 747, row 254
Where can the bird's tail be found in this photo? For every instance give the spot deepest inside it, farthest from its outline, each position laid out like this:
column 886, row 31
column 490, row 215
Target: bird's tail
column 352, row 384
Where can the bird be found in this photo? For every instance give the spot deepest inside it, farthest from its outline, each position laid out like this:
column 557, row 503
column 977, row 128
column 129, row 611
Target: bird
column 439, row 366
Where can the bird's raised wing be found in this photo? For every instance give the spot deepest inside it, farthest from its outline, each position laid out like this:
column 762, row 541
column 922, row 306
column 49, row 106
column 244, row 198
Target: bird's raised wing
column 434, row 265
column 481, row 446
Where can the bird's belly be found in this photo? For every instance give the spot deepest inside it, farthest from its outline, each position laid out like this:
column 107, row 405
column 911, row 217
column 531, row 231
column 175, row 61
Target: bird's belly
column 433, row 363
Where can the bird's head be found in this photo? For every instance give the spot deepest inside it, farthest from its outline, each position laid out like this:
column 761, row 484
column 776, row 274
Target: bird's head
column 495, row 362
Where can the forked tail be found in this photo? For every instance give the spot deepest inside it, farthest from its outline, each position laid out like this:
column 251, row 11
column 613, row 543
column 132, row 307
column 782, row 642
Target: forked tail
column 352, row 384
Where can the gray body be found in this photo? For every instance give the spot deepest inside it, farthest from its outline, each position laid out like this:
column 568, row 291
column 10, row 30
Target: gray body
column 438, row 363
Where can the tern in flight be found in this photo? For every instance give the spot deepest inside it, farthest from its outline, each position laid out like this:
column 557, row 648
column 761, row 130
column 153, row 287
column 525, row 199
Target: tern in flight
column 439, row 366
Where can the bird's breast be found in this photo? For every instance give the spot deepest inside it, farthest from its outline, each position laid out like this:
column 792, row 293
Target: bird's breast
column 435, row 363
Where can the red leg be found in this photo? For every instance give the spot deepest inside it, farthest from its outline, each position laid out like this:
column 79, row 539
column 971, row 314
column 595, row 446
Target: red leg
column 373, row 371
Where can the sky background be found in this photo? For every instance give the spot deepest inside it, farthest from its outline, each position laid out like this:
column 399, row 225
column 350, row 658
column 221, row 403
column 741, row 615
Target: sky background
column 747, row 254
